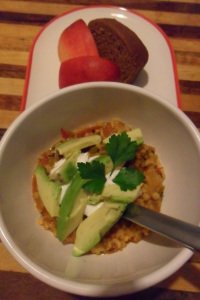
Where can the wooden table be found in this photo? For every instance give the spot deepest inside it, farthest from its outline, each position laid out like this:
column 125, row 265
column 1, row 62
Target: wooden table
column 20, row 21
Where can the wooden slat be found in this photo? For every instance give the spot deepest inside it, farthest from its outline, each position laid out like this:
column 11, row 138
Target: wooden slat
column 183, row 31
column 118, row 2
column 10, row 102
column 185, row 44
column 169, row 6
column 15, row 43
column 187, row 276
column 18, row 37
column 23, row 18
column 172, row 17
column 11, row 86
column 7, row 117
column 12, row 71
column 195, row 258
column 188, row 57
column 189, row 72
column 184, row 1
column 190, row 102
column 23, row 286
column 190, row 87
column 12, row 57
column 194, row 117
column 49, row 10
column 2, row 132
column 21, row 31
column 8, row 263
column 36, row 7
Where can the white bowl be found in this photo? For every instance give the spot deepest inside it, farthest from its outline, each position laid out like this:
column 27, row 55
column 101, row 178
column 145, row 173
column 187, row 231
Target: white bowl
column 138, row 266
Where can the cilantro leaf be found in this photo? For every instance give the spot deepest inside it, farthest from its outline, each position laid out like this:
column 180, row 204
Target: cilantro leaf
column 128, row 178
column 94, row 186
column 121, row 148
column 95, row 173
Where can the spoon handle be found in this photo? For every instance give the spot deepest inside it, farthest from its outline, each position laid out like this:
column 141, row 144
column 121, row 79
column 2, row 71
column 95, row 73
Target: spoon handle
column 177, row 230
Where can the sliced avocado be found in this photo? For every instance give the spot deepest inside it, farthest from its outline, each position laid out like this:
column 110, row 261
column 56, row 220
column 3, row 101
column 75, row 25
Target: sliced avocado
column 94, row 227
column 134, row 134
column 49, row 191
column 67, row 205
column 114, row 193
column 75, row 144
column 107, row 161
column 94, row 199
column 67, row 169
column 67, row 225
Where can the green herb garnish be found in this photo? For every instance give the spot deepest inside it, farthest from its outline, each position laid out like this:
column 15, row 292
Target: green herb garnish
column 95, row 173
column 128, row 178
column 121, row 149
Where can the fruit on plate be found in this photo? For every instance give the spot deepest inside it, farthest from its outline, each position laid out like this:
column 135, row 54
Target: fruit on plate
column 85, row 69
column 76, row 40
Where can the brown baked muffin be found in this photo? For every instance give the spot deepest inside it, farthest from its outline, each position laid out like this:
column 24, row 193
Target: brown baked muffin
column 121, row 45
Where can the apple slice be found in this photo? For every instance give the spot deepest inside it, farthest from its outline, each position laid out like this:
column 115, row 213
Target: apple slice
column 76, row 40
column 85, row 69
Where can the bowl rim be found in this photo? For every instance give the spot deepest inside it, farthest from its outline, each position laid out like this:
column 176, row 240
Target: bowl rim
column 102, row 84
column 81, row 288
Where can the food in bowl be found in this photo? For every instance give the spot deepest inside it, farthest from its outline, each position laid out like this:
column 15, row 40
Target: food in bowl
column 102, row 168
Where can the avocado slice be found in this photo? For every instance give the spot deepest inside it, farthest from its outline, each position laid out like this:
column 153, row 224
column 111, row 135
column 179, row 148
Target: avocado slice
column 134, row 134
column 67, row 225
column 67, row 169
column 49, row 191
column 75, row 144
column 107, row 161
column 69, row 199
column 93, row 228
column 114, row 193
column 94, row 199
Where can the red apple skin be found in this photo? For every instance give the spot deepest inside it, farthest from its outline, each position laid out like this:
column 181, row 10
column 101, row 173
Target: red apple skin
column 87, row 69
column 76, row 40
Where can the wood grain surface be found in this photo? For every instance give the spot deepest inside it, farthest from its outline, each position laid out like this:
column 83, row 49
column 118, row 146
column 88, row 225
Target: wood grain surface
column 20, row 21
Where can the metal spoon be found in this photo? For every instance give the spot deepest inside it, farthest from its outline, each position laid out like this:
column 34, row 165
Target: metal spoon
column 177, row 230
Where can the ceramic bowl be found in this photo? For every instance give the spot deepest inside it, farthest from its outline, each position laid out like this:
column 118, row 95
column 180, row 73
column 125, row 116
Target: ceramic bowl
column 138, row 266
